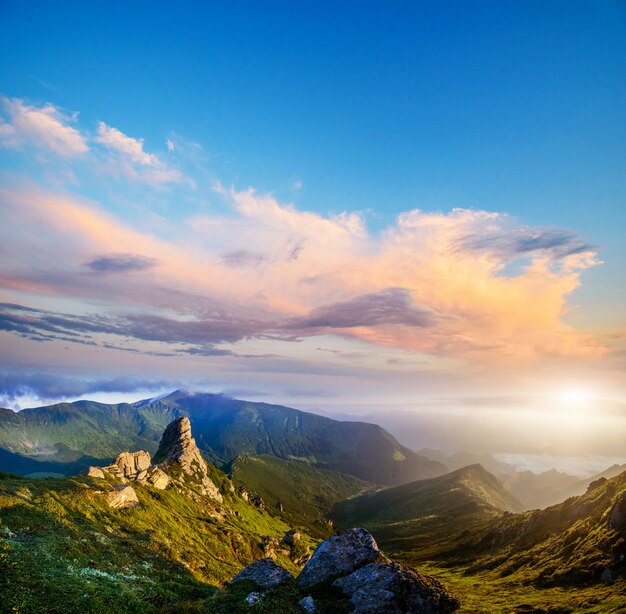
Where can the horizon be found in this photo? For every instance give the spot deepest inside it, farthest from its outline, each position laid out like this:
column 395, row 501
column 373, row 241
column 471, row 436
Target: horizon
column 345, row 208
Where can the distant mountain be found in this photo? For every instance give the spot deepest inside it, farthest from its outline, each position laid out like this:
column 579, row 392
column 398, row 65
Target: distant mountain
column 537, row 491
column 74, row 435
column 427, row 515
column 571, row 542
column 299, row 493
column 579, row 487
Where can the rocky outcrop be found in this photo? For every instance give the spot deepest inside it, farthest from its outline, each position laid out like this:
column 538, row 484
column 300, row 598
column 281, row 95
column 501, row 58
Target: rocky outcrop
column 340, row 555
column 122, row 496
column 94, row 472
column 360, row 574
column 179, row 455
column 265, row 573
column 291, row 537
column 130, row 466
column 396, row 589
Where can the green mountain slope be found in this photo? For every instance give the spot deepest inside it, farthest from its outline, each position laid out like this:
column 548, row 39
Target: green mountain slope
column 305, row 493
column 63, row 549
column 421, row 519
column 573, row 541
column 45, row 438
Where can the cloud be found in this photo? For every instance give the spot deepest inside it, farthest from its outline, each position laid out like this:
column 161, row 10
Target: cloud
column 121, row 263
column 15, row 387
column 389, row 306
column 128, row 157
column 44, row 127
column 435, row 283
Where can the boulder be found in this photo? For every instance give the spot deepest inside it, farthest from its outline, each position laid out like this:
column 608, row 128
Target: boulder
column 253, row 598
column 130, row 465
column 291, row 537
column 308, row 604
column 122, row 496
column 178, row 450
column 94, row 472
column 340, row 555
column 157, row 478
column 390, row 587
column 265, row 573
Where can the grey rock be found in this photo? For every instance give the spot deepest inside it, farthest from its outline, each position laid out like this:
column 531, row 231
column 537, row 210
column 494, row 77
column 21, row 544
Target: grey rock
column 178, row 449
column 606, row 576
column 339, row 555
column 122, row 496
column 390, row 587
column 374, row 601
column 291, row 537
column 308, row 604
column 253, row 598
column 94, row 472
column 265, row 573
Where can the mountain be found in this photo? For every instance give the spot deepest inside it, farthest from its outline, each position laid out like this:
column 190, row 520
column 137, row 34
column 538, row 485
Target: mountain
column 301, row 494
column 579, row 487
column 166, row 533
column 129, row 540
column 77, row 433
column 540, row 490
column 575, row 541
column 427, row 515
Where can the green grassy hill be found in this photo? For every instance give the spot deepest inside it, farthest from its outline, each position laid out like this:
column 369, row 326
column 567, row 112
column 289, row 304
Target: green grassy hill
column 63, row 549
column 426, row 517
column 306, row 493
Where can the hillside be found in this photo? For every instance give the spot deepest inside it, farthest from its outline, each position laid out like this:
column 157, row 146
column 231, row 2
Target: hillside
column 428, row 516
column 305, row 493
column 66, row 437
column 571, row 542
column 134, row 543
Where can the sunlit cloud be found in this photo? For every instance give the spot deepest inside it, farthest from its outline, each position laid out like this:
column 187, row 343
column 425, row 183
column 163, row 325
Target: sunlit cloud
column 44, row 127
column 273, row 271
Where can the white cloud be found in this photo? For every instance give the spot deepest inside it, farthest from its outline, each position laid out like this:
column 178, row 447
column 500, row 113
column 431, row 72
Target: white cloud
column 128, row 157
column 45, row 127
column 170, row 145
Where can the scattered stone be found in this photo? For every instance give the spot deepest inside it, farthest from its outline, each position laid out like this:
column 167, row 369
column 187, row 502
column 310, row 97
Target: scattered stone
column 122, row 496
column 606, row 576
column 178, row 449
column 279, row 506
column 157, row 478
column 308, row 604
column 593, row 485
column 340, row 555
column 94, row 472
column 245, row 494
column 258, row 502
column 130, row 465
column 390, row 587
column 291, row 537
column 265, row 573
column 253, row 598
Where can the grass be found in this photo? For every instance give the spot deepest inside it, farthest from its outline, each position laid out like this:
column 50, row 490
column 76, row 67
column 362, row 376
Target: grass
column 63, row 549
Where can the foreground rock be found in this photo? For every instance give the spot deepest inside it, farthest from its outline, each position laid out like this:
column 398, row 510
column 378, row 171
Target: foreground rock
column 178, row 453
column 122, row 496
column 360, row 574
column 340, row 555
column 396, row 589
column 265, row 573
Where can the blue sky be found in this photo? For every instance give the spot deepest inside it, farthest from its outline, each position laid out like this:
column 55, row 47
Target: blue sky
column 377, row 110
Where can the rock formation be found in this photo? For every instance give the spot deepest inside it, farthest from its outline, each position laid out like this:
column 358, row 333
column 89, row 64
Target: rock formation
column 122, row 496
column 265, row 573
column 393, row 588
column 179, row 455
column 362, row 574
column 340, row 555
column 178, row 460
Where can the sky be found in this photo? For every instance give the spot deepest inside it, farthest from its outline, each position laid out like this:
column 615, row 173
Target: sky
column 407, row 205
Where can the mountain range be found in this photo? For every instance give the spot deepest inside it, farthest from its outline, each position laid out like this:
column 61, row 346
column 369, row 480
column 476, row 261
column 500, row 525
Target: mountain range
column 67, row 437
